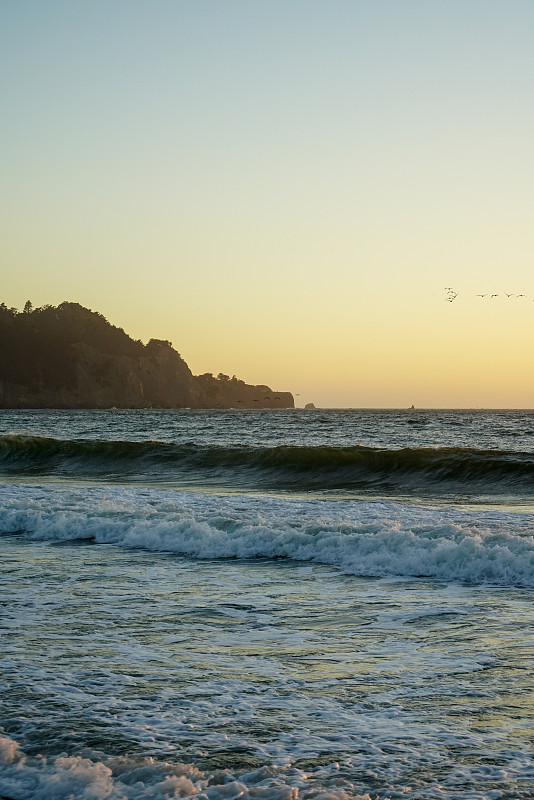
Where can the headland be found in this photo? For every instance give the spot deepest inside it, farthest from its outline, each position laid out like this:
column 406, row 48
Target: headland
column 68, row 356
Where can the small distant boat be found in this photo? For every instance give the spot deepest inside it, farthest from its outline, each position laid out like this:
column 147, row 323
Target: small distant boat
column 412, row 408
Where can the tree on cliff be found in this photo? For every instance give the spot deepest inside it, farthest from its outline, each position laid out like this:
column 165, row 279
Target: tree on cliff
column 36, row 345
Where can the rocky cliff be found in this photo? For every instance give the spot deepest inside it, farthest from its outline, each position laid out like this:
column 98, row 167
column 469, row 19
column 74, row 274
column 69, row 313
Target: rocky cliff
column 70, row 357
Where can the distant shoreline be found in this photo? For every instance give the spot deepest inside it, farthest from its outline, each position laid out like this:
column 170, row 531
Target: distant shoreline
column 396, row 409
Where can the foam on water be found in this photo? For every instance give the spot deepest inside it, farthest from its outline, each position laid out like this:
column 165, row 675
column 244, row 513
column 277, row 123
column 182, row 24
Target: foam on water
column 65, row 778
column 132, row 674
column 138, row 778
column 365, row 538
column 321, row 659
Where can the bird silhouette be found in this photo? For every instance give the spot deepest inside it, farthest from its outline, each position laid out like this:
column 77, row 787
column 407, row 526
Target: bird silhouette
column 452, row 295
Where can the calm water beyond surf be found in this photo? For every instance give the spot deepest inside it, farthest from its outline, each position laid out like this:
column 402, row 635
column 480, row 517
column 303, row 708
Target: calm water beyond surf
column 321, row 605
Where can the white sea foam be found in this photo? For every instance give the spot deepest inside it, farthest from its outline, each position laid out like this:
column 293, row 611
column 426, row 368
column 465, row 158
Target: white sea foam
column 77, row 778
column 144, row 778
column 365, row 538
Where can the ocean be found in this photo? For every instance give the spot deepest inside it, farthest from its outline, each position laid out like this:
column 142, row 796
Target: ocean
column 324, row 605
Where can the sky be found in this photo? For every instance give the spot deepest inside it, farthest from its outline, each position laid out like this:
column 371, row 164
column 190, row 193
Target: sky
column 282, row 188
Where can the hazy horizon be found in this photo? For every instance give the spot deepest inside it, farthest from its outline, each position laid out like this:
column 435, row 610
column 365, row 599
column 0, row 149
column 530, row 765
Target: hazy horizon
column 283, row 190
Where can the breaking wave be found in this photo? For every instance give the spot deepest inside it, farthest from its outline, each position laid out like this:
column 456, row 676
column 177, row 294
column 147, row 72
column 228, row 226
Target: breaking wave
column 365, row 538
column 425, row 470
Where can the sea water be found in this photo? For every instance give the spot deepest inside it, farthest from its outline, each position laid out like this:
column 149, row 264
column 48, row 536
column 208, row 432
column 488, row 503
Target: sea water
column 266, row 604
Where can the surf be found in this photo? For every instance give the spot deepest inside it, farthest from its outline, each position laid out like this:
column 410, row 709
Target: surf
column 298, row 468
column 363, row 538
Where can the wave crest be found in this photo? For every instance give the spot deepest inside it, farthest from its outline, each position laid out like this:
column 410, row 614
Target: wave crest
column 298, row 468
column 365, row 538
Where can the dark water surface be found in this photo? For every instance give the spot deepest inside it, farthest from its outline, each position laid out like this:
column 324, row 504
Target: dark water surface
column 266, row 604
column 469, row 455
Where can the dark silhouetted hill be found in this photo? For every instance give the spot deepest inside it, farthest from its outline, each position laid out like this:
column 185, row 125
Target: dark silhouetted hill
column 67, row 356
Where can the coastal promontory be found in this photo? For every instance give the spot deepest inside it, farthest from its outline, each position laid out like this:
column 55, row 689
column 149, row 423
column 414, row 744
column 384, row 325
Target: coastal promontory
column 68, row 356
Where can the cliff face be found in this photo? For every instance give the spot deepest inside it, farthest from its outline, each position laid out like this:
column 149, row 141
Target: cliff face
column 73, row 358
column 161, row 380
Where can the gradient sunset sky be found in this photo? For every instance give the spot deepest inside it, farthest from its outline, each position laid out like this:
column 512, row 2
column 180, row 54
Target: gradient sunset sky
column 283, row 189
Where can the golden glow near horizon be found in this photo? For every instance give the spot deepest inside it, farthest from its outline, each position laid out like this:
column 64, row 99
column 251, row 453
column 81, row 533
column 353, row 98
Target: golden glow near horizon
column 283, row 190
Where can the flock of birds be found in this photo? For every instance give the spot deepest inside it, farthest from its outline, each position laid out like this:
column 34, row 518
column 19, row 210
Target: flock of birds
column 451, row 295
